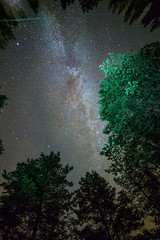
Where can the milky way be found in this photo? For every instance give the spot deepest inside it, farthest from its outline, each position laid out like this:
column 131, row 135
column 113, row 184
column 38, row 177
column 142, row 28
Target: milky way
column 50, row 75
column 78, row 124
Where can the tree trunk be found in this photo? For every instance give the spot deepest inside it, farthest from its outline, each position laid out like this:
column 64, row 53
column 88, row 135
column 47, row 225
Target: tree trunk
column 114, row 227
column 35, row 227
column 104, row 222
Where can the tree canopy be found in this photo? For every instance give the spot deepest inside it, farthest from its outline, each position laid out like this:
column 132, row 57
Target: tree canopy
column 132, row 10
column 130, row 101
column 130, row 105
column 35, row 200
column 148, row 10
column 36, row 204
column 107, row 216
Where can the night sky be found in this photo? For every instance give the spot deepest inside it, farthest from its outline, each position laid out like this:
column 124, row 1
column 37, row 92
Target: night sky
column 51, row 76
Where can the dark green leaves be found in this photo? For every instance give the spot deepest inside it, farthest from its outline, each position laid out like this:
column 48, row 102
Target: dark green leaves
column 36, row 193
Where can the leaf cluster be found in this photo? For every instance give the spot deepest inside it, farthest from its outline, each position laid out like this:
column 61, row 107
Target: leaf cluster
column 130, row 105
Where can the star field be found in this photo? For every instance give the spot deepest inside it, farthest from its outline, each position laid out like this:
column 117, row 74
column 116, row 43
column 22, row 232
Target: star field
column 50, row 75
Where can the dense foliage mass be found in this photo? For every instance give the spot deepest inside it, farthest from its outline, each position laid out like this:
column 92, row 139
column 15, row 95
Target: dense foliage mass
column 35, row 201
column 105, row 215
column 130, row 103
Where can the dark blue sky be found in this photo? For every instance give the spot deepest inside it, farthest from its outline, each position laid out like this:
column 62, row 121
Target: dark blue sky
column 50, row 75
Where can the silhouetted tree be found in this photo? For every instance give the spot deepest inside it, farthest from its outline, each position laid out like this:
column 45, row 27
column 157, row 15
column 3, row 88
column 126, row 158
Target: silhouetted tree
column 8, row 22
column 34, row 4
column 35, row 201
column 141, row 183
column 106, row 216
column 132, row 10
column 153, row 234
column 86, row 5
column 3, row 98
column 1, row 147
column 88, row 233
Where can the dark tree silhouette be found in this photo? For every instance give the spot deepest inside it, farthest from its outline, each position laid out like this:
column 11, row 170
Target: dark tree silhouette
column 154, row 234
column 88, row 233
column 8, row 21
column 34, row 4
column 86, row 5
column 1, row 147
column 149, row 10
column 6, row 28
column 3, row 98
column 107, row 216
column 35, row 201
column 133, row 9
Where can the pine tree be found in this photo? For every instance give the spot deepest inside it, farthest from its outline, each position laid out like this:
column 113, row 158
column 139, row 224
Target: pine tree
column 132, row 10
column 35, row 201
column 105, row 215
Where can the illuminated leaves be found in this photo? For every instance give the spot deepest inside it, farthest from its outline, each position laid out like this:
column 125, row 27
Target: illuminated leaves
column 126, row 91
column 129, row 99
column 37, row 189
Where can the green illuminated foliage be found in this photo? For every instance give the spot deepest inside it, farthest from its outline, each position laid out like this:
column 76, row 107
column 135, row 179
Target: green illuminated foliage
column 130, row 96
column 35, row 200
column 130, row 104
